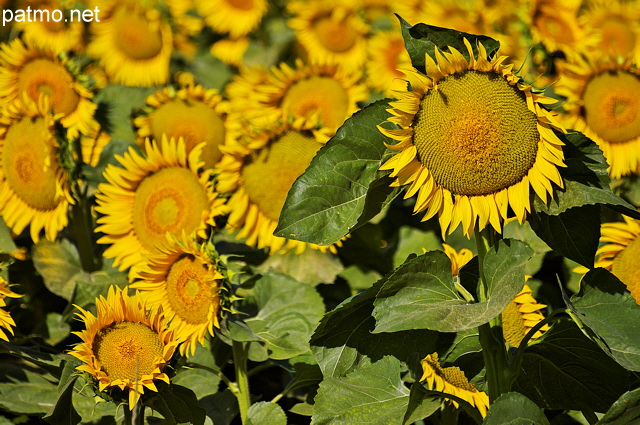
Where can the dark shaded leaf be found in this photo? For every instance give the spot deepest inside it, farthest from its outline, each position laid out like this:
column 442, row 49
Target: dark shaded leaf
column 421, row 294
column 342, row 188
column 422, row 404
column 515, row 409
column 626, row 410
column 178, row 404
column 568, row 371
column 221, row 407
column 64, row 412
column 422, row 39
column 609, row 310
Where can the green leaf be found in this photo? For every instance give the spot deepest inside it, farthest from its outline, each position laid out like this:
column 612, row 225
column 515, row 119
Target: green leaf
column 289, row 312
column 585, row 178
column 414, row 241
column 609, row 310
column 64, row 412
column 626, row 410
column 201, row 382
column 7, row 246
column 57, row 328
column 515, row 409
column 311, row 267
column 178, row 404
column 221, row 407
column 342, row 188
column 422, row 39
column 422, row 404
column 568, row 371
column 59, row 265
column 371, row 394
column 421, row 293
column 574, row 234
column 265, row 413
column 34, row 396
column 344, row 340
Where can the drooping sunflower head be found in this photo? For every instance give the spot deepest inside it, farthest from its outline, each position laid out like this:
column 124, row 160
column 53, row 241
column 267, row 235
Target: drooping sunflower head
column 132, row 43
column 125, row 345
column 521, row 315
column 330, row 33
column 188, row 111
column 620, row 251
column 386, row 56
column 603, row 102
column 452, row 380
column 164, row 191
column 185, row 279
column 6, row 321
column 472, row 141
column 234, row 17
column 27, row 72
column 34, row 187
column 258, row 173
column 52, row 29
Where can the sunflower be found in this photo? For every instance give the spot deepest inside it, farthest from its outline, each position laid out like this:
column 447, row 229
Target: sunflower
column 458, row 259
column 184, row 279
column 603, row 99
column 616, row 25
column 56, row 37
column 126, row 345
column 34, row 188
column 330, row 33
column 556, row 26
column 229, row 50
column 473, row 139
column 259, row 173
column 6, row 321
column 166, row 191
column 233, row 17
column 387, row 56
column 28, row 71
column 318, row 96
column 189, row 111
column 132, row 43
column 620, row 253
column 521, row 315
column 451, row 380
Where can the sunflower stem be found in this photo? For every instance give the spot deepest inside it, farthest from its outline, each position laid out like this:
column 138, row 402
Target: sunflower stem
column 83, row 231
column 240, row 352
column 491, row 338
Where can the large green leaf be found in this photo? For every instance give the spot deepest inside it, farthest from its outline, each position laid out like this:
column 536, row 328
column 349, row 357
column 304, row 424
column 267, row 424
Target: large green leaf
column 586, row 181
column 37, row 395
column 289, row 312
column 342, row 188
column 311, row 267
column 265, row 413
column 422, row 39
column 609, row 310
column 64, row 412
column 515, row 409
column 344, row 340
column 372, row 394
column 626, row 410
column 421, row 294
column 566, row 370
column 178, row 405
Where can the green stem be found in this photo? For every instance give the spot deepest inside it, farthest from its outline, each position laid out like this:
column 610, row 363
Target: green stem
column 240, row 361
column 83, row 231
column 491, row 339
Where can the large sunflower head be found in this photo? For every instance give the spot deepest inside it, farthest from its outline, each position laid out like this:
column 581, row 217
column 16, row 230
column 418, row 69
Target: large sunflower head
column 184, row 278
column 51, row 29
column 521, row 315
column 165, row 192
column 258, row 172
column 234, row 17
column 190, row 112
column 27, row 72
column 321, row 97
column 330, row 33
column 34, row 187
column 472, row 141
column 603, row 102
column 132, row 43
column 452, row 380
column 125, row 345
column 620, row 251
column 6, row 321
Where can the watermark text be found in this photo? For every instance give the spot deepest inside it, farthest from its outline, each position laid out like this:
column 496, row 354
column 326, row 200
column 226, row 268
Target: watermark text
column 49, row 15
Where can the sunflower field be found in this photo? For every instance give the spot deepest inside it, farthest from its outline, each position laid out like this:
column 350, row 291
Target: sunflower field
column 271, row 212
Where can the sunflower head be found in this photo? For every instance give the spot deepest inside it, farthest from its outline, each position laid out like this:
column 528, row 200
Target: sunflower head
column 234, row 17
column 521, row 315
column 452, row 380
column 185, row 279
column 6, row 321
column 125, row 345
column 472, row 140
